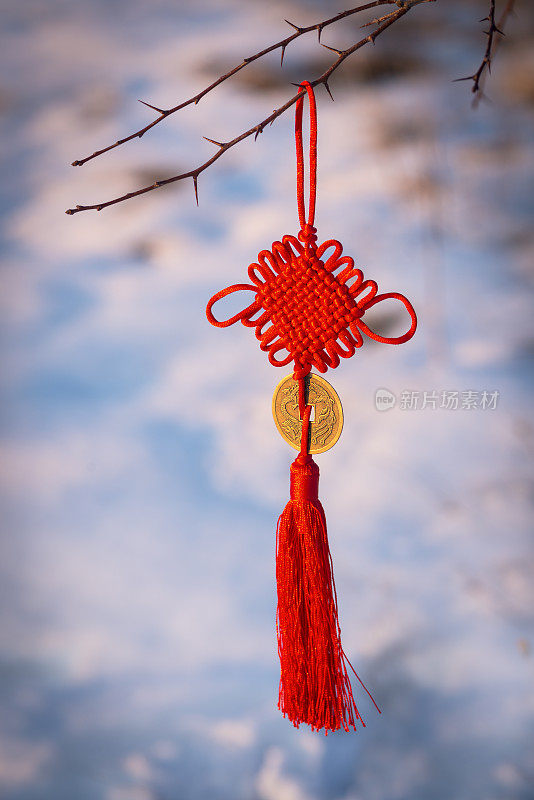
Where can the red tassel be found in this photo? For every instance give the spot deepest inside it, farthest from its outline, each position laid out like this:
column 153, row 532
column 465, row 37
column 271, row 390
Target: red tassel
column 314, row 683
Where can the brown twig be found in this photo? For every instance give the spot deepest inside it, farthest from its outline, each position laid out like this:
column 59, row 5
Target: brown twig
column 403, row 6
column 508, row 10
column 491, row 46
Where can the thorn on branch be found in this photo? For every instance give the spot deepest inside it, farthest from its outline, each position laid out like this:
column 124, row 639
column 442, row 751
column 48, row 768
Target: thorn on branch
column 327, row 87
column 296, row 27
column 319, row 32
column 195, row 184
column 259, row 130
column 214, row 141
column 161, row 111
column 282, row 55
column 333, row 49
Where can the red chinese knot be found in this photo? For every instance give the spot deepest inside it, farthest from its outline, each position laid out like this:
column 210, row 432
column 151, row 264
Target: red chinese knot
column 308, row 303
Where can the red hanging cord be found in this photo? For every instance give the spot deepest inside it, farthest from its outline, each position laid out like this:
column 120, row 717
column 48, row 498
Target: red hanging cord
column 300, row 157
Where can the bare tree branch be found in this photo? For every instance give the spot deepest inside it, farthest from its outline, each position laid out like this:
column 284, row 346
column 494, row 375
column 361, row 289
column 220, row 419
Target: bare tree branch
column 491, row 46
column 403, row 6
column 508, row 11
column 163, row 113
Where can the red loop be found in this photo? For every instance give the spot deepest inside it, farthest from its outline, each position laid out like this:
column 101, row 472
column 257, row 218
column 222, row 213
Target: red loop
column 390, row 339
column 246, row 313
column 300, row 158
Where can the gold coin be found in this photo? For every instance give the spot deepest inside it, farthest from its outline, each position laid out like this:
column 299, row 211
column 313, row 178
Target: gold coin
column 326, row 418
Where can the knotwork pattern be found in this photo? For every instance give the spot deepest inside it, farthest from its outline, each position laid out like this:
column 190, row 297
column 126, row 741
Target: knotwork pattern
column 308, row 303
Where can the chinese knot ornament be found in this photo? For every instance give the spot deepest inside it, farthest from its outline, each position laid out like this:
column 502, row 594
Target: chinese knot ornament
column 308, row 306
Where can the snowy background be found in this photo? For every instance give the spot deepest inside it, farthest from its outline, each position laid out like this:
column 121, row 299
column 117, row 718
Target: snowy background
column 142, row 474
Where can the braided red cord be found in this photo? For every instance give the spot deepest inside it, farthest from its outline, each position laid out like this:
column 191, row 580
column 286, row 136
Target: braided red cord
column 304, row 414
column 307, row 232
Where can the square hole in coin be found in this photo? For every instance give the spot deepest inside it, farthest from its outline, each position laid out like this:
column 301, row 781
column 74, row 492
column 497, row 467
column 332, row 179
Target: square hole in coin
column 312, row 415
